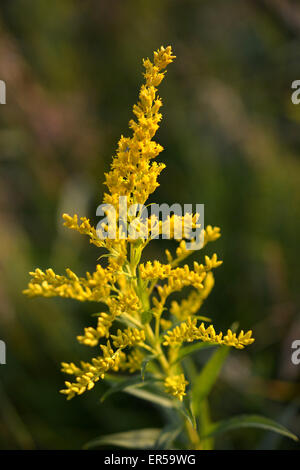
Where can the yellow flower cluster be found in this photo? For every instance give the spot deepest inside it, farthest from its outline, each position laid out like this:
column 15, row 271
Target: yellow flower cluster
column 175, row 385
column 117, row 248
column 210, row 233
column 133, row 172
column 156, row 270
column 93, row 287
column 89, row 373
column 178, row 278
column 188, row 331
column 129, row 337
column 85, row 228
column 132, row 293
column 92, row 335
column 194, row 301
column 174, row 227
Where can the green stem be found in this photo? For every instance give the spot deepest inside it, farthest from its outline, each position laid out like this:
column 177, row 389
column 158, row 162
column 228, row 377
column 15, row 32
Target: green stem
column 204, row 424
column 193, row 436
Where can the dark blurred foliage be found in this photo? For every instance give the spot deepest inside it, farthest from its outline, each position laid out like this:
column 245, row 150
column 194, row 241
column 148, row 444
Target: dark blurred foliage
column 232, row 141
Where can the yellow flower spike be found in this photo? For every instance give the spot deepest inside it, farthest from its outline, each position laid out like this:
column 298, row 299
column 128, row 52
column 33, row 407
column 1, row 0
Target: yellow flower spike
column 175, row 385
column 185, row 332
column 163, row 57
column 134, row 293
column 95, row 287
column 84, row 228
column 210, row 263
column 188, row 331
column 92, row 335
column 137, row 152
column 89, row 373
column 154, row 270
column 211, row 234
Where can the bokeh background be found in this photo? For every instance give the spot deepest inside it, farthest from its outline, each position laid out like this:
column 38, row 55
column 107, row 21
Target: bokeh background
column 232, row 141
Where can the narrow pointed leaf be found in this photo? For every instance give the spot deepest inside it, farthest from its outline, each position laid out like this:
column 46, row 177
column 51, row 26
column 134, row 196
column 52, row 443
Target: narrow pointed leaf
column 139, row 439
column 168, row 436
column 149, row 396
column 249, row 421
column 208, row 376
column 185, row 410
column 187, row 350
column 122, row 386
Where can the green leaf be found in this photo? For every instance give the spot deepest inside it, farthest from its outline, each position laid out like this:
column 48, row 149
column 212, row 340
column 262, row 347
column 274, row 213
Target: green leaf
column 145, row 363
column 135, row 386
column 167, row 436
column 204, row 424
column 150, row 396
column 126, row 321
column 208, row 376
column 248, row 421
column 185, row 410
column 271, row 440
column 139, row 439
column 122, row 386
column 185, row 351
column 160, row 400
column 146, row 317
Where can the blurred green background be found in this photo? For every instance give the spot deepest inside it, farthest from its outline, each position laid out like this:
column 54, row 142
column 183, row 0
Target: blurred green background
column 231, row 137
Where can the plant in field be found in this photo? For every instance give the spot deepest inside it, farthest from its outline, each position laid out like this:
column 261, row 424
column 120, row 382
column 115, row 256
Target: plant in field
column 139, row 332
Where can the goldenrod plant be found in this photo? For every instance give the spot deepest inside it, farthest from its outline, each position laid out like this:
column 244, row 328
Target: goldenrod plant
column 141, row 337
